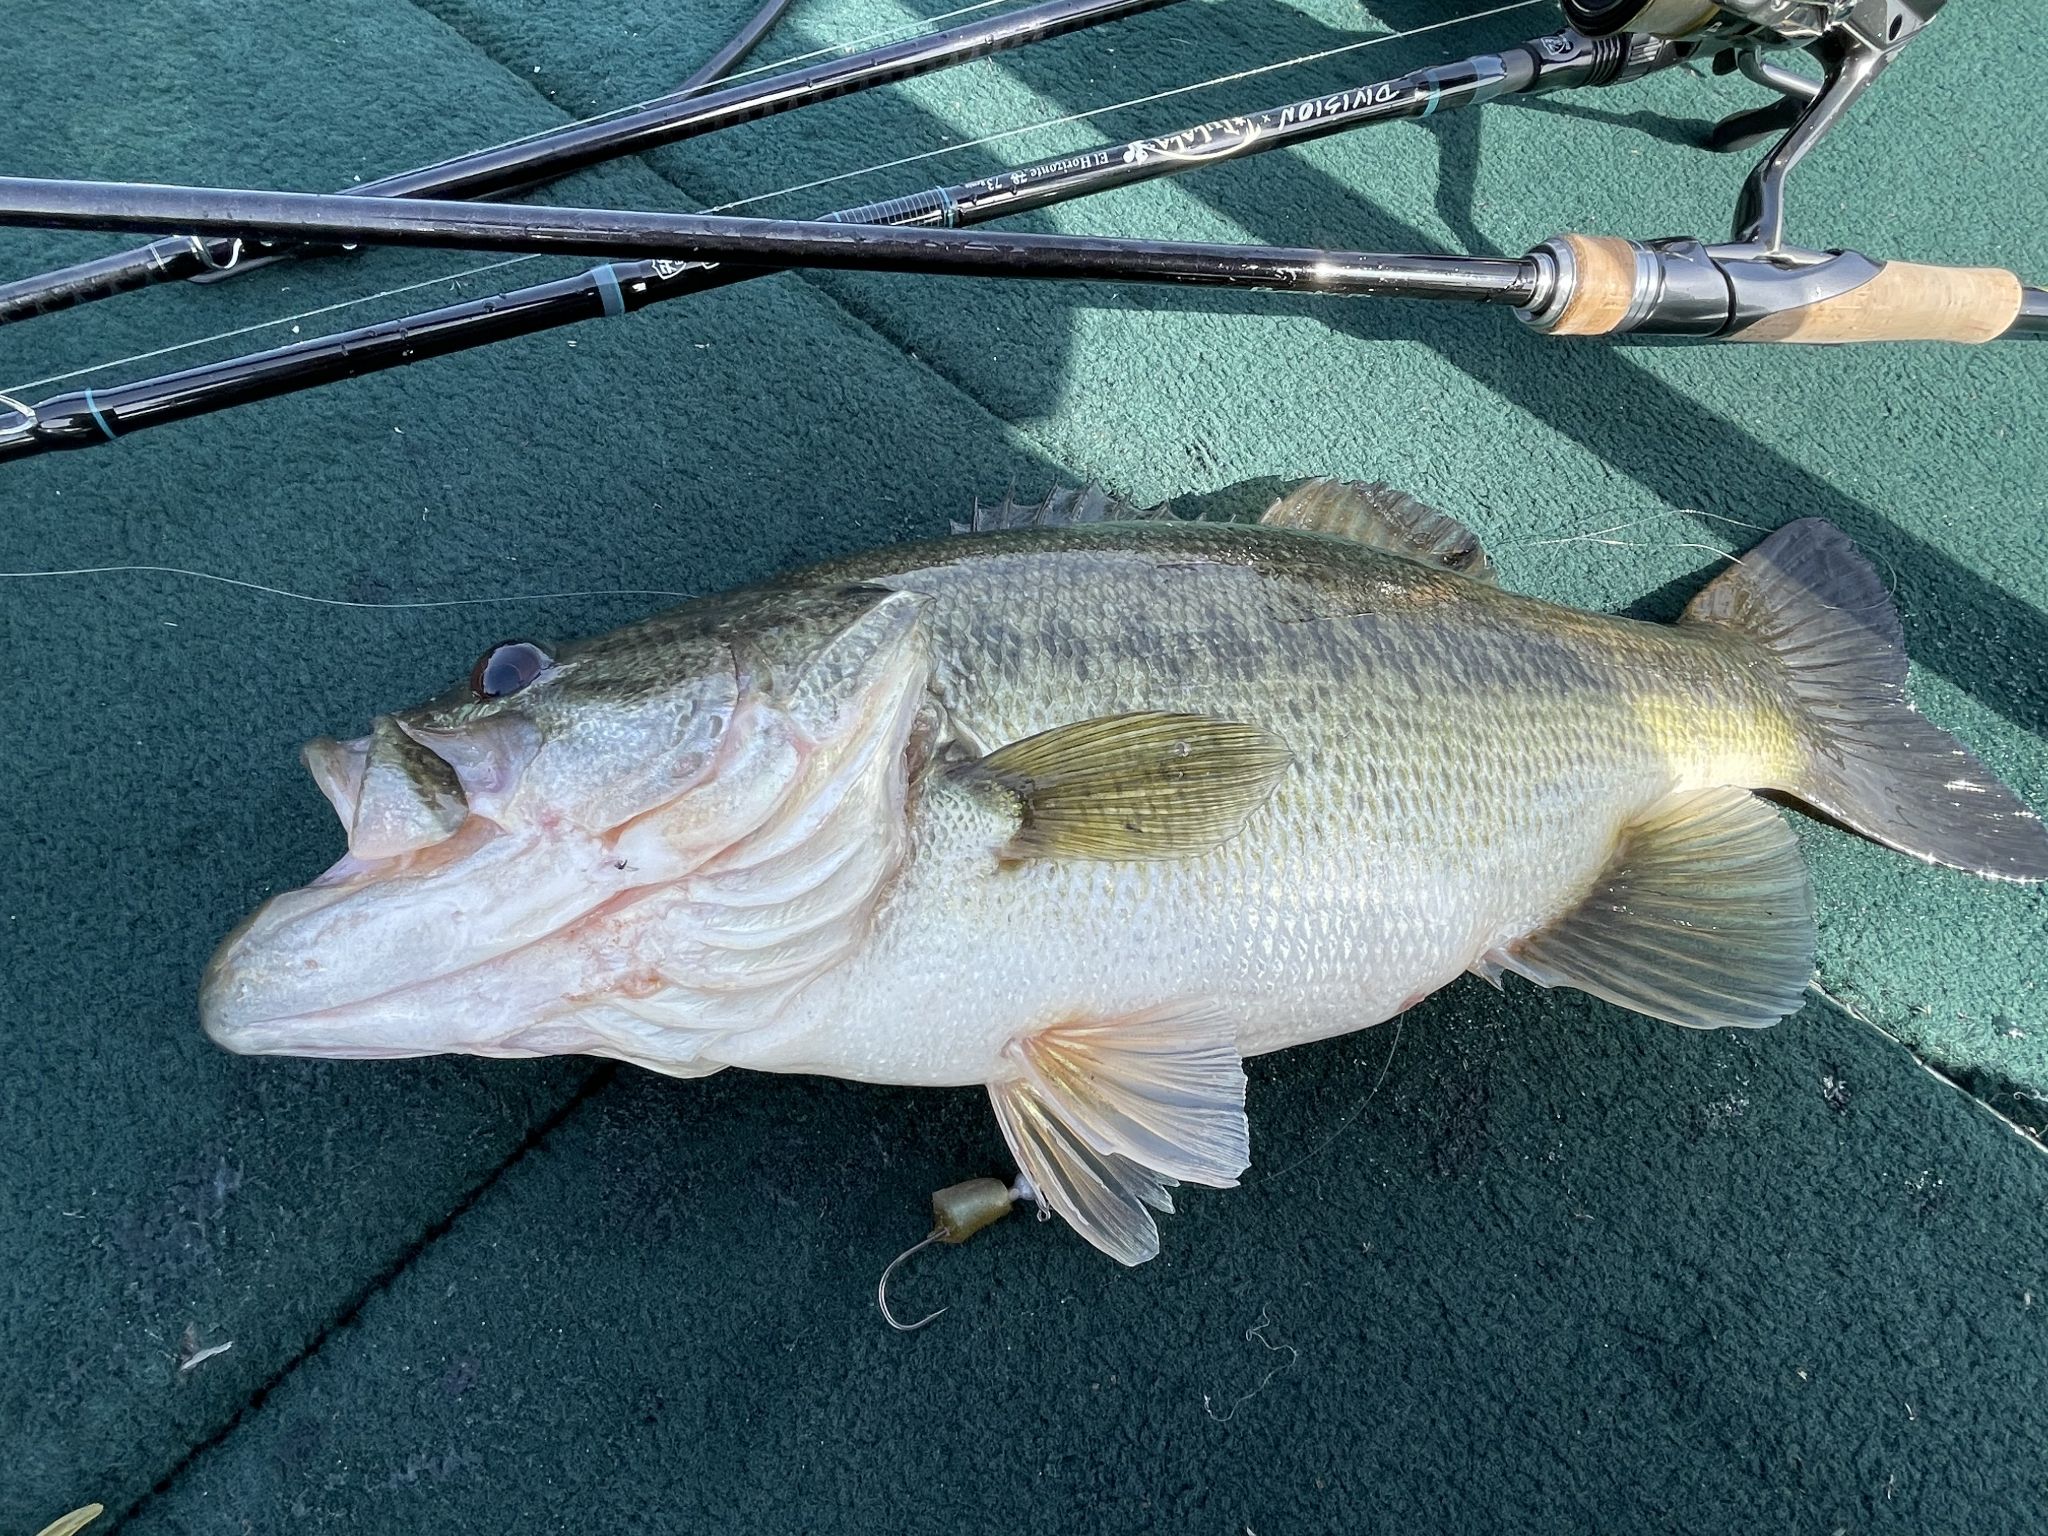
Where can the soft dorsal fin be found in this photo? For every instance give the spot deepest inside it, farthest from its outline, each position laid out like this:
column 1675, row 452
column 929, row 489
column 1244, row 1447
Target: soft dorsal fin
column 1703, row 917
column 1106, row 1115
column 1386, row 519
column 1062, row 508
column 1139, row 786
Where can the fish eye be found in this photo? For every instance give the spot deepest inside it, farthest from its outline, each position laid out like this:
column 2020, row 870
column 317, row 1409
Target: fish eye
column 508, row 667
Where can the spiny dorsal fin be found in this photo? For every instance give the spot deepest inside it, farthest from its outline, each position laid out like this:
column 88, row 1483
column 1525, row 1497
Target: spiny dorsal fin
column 1139, row 786
column 1386, row 519
column 1106, row 1115
column 1062, row 508
column 1703, row 917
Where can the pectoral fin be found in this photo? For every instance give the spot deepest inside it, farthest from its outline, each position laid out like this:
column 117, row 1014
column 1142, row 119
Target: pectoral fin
column 1386, row 519
column 1140, row 786
column 1703, row 917
column 1106, row 1115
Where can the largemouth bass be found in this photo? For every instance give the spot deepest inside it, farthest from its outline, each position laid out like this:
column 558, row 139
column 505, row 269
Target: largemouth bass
column 1087, row 806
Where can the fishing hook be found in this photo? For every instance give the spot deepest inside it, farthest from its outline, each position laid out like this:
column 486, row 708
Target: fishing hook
column 936, row 1234
column 958, row 1212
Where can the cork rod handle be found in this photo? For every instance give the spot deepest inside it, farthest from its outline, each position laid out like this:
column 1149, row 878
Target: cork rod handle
column 1905, row 301
column 1605, row 269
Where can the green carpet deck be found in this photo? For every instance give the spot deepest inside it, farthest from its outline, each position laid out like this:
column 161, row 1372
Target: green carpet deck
column 1565, row 1269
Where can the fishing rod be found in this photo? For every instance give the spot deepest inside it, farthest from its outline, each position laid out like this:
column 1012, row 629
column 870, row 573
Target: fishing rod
column 1577, row 285
column 508, row 169
column 1573, row 285
column 729, row 58
column 554, row 231
column 84, row 418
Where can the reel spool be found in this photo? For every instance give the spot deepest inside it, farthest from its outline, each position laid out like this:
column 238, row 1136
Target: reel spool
column 1759, row 23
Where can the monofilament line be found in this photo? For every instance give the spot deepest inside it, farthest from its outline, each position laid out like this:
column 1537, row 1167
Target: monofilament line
column 334, row 602
column 1227, row 78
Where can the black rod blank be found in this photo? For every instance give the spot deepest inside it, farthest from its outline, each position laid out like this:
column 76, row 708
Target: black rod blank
column 83, row 418
column 546, row 157
column 324, row 218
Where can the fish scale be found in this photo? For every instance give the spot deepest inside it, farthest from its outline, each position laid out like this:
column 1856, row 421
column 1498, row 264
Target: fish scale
column 1461, row 762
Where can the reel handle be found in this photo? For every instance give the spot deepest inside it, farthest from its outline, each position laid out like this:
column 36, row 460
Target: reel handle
column 1602, row 286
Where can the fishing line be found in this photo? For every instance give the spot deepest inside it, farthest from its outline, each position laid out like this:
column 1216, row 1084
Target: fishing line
column 1356, row 1110
column 902, row 30
column 1226, row 78
column 1599, row 535
column 535, row 597
column 1256, row 1331
column 269, row 325
column 1706, row 549
column 1888, row 570
column 1140, row 101
column 334, row 602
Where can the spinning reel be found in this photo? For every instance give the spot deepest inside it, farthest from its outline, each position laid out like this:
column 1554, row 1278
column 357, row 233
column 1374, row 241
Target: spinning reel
column 1756, row 287
column 1853, row 40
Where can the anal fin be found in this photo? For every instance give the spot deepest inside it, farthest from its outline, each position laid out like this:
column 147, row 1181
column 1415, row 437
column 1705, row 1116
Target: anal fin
column 1106, row 1115
column 1702, row 917
column 1380, row 516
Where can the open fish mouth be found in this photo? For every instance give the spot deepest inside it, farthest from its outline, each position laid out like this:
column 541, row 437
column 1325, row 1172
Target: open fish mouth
column 431, row 934
column 384, row 956
column 623, row 871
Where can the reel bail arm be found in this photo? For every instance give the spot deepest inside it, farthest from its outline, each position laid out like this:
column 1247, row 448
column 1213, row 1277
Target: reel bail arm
column 1853, row 39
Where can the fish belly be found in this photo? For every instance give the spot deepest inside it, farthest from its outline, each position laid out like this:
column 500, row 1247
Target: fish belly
column 1463, row 762
column 1327, row 915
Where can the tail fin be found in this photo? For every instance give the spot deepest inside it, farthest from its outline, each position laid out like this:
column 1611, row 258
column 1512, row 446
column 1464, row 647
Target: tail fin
column 1809, row 597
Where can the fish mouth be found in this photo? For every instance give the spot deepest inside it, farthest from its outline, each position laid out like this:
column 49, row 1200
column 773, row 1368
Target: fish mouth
column 650, row 876
column 373, row 958
column 495, row 939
